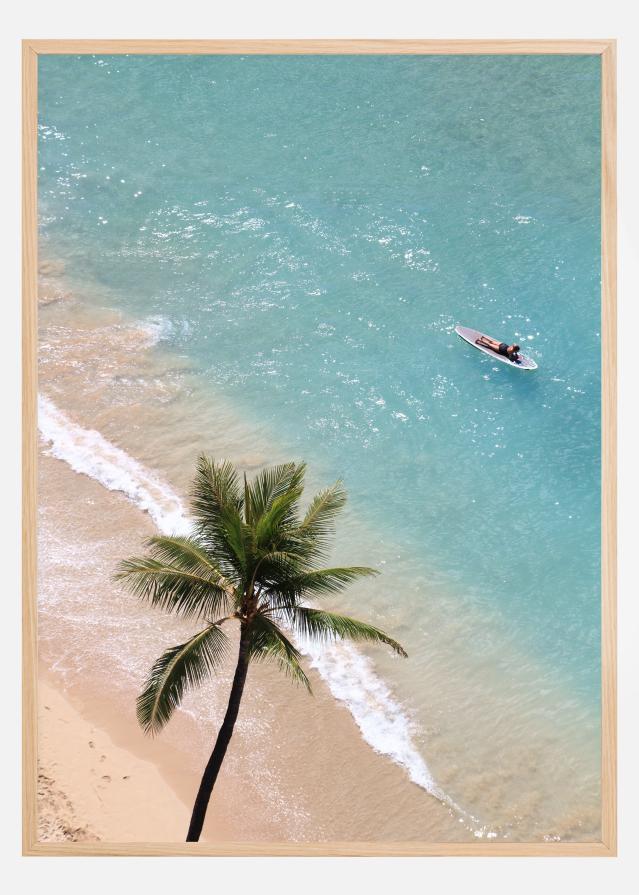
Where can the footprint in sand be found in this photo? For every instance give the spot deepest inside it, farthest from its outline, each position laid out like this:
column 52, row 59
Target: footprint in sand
column 91, row 744
column 127, row 777
column 106, row 778
column 103, row 758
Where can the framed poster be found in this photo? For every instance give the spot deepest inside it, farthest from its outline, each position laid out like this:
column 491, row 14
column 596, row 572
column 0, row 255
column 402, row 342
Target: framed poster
column 260, row 278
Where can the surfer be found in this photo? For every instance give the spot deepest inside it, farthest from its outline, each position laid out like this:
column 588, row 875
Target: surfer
column 500, row 351
column 509, row 351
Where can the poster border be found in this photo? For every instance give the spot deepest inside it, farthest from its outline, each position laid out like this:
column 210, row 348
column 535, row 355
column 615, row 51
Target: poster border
column 606, row 49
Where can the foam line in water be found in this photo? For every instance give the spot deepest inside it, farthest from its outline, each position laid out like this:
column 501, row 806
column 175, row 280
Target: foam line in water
column 382, row 721
column 349, row 674
column 88, row 452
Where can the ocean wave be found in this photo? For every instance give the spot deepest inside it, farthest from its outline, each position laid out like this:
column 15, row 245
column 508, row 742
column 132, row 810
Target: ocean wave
column 88, row 452
column 349, row 674
column 382, row 721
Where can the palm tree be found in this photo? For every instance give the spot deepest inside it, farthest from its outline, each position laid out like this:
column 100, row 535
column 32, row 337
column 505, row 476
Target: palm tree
column 250, row 559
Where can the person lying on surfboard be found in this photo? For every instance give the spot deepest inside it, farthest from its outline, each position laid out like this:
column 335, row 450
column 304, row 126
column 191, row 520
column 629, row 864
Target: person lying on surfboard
column 509, row 351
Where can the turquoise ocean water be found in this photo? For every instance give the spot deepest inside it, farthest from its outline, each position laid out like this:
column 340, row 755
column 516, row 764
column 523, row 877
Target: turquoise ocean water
column 309, row 230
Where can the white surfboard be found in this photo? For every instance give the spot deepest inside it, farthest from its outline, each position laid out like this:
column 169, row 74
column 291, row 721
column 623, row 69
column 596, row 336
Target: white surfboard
column 472, row 335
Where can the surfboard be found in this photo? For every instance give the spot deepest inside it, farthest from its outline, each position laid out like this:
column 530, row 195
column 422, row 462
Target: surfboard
column 472, row 335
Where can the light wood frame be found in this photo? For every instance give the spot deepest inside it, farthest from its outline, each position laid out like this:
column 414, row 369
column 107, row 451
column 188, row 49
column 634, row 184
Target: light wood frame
column 31, row 49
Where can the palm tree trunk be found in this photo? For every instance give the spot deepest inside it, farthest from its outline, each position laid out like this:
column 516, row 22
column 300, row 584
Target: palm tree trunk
column 223, row 739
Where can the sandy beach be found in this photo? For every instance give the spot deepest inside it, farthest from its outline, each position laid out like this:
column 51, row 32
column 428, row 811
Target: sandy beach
column 88, row 787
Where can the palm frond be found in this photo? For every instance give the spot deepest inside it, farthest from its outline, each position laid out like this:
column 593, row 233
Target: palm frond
column 216, row 506
column 267, row 641
column 274, row 567
column 317, row 581
column 174, row 589
column 187, row 554
column 272, row 528
column 237, row 537
column 318, row 525
column 178, row 669
column 316, row 624
column 216, row 486
column 270, row 484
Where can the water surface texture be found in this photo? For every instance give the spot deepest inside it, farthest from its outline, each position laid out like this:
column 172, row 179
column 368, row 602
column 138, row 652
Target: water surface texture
column 305, row 232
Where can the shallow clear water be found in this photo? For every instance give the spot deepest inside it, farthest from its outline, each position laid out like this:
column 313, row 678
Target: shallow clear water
column 308, row 231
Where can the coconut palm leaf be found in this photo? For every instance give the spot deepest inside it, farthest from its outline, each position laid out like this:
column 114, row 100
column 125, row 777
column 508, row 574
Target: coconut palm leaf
column 238, row 538
column 185, row 553
column 176, row 590
column 216, row 506
column 318, row 581
column 274, row 525
column 316, row 624
column 318, row 525
column 178, row 669
column 267, row 641
column 269, row 485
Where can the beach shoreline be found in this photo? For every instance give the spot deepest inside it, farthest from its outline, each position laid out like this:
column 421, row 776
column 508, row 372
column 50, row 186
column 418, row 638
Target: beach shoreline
column 104, row 488
column 322, row 801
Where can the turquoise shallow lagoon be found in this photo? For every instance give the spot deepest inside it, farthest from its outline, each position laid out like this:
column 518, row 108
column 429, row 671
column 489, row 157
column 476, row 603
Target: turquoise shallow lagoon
column 306, row 232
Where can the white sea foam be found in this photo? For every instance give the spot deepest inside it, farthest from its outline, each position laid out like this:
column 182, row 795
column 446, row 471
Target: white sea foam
column 350, row 675
column 382, row 721
column 157, row 328
column 88, row 452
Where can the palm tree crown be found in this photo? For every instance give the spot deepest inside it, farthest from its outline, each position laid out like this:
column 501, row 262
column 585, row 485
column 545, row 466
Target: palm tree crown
column 251, row 558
